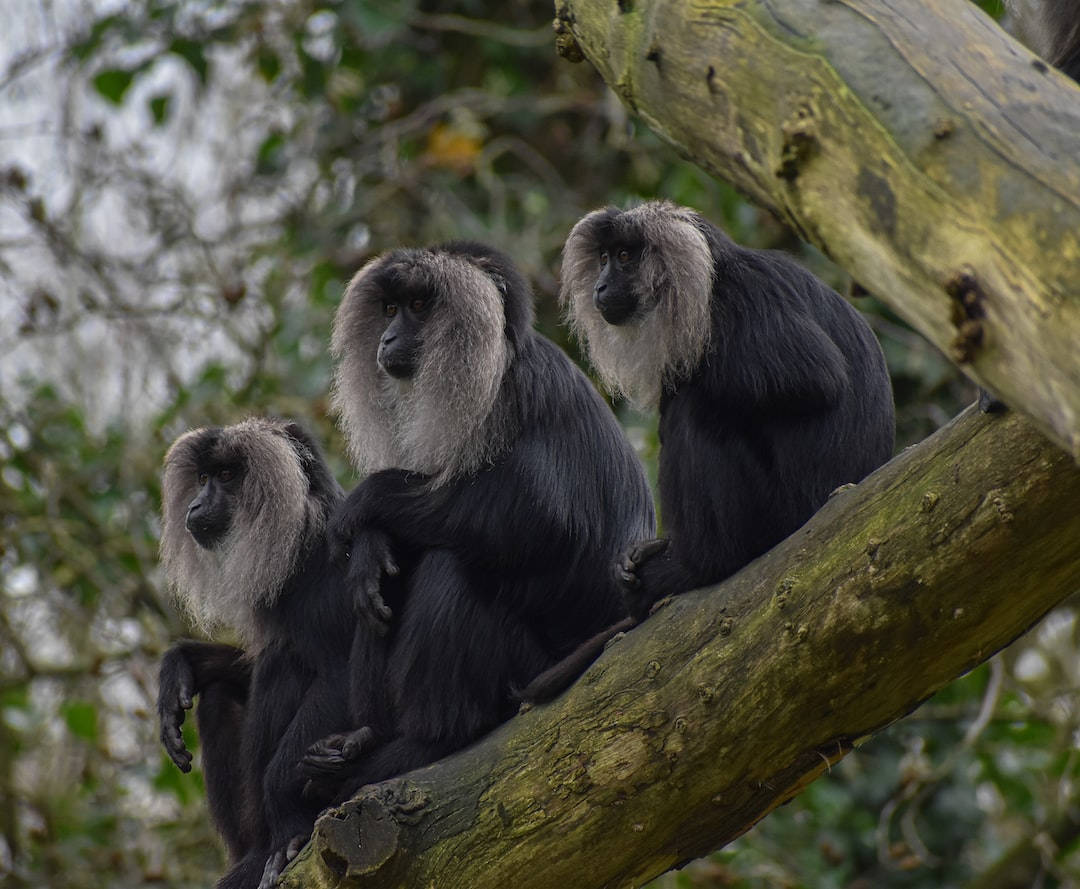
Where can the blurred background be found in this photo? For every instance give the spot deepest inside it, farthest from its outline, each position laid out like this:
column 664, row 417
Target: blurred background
column 185, row 188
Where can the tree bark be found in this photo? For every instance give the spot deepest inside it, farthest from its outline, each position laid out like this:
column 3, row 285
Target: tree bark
column 917, row 144
column 728, row 701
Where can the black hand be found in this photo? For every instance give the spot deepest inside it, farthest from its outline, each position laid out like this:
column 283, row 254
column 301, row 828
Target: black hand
column 370, row 560
column 637, row 596
column 175, row 693
column 330, row 755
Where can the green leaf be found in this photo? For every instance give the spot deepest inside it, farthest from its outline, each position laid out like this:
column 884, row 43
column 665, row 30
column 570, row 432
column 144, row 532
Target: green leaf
column 84, row 48
column 170, row 779
column 269, row 157
column 160, row 106
column 113, row 84
column 192, row 53
column 269, row 64
column 81, row 719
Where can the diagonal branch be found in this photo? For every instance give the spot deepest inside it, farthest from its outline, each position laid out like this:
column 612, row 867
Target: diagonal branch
column 729, row 701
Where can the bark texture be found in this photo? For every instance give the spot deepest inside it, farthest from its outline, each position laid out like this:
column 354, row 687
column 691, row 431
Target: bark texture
column 917, row 144
column 728, row 701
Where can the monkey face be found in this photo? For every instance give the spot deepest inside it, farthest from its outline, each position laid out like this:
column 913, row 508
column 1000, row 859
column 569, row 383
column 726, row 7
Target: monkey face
column 400, row 345
column 615, row 295
column 210, row 514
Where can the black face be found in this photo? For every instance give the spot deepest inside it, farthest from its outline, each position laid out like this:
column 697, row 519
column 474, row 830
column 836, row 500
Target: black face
column 210, row 513
column 401, row 343
column 615, row 295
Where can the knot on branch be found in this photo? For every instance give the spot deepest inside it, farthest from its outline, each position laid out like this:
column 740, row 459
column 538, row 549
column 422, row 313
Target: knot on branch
column 566, row 45
column 800, row 143
column 363, row 837
column 968, row 310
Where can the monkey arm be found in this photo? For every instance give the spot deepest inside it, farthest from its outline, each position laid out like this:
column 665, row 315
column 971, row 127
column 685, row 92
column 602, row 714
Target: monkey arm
column 786, row 363
column 506, row 514
column 187, row 668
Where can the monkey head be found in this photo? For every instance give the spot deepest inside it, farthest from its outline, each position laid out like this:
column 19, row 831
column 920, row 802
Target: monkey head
column 636, row 288
column 422, row 339
column 239, row 504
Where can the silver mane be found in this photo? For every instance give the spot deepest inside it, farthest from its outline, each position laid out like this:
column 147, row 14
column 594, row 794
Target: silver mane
column 668, row 337
column 274, row 517
column 447, row 421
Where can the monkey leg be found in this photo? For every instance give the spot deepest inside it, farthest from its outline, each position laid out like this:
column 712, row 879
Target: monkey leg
column 229, row 787
column 453, row 663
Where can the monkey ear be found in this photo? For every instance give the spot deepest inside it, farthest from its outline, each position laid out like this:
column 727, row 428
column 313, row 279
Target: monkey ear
column 491, row 269
column 301, row 441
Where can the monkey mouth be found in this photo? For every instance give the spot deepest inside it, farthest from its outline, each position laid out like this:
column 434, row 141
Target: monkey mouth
column 398, row 369
column 614, row 313
column 207, row 536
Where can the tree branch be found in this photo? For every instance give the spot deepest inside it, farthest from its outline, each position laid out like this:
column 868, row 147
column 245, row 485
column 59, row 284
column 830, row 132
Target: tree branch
column 730, row 700
column 918, row 145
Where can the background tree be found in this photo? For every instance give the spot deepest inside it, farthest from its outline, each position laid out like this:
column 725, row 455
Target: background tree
column 184, row 189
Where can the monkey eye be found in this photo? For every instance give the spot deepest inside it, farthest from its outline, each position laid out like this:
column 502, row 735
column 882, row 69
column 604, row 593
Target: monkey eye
column 225, row 475
column 418, row 305
column 603, row 258
column 389, row 310
column 203, row 479
column 624, row 255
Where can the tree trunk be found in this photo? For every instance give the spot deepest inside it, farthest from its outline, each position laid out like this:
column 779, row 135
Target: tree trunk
column 728, row 701
column 917, row 144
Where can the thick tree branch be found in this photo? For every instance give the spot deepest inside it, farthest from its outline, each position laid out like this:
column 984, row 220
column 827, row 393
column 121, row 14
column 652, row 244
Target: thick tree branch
column 728, row 701
column 917, row 144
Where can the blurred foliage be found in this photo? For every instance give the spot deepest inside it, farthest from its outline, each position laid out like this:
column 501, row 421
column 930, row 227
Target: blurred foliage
column 185, row 188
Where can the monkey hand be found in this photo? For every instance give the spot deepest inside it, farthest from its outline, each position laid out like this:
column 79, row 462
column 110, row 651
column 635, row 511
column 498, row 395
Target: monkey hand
column 369, row 559
column 277, row 862
column 327, row 761
column 638, row 596
column 176, row 688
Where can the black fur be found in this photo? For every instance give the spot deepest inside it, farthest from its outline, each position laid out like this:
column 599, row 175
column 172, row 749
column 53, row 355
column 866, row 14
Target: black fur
column 257, row 714
column 505, row 570
column 790, row 400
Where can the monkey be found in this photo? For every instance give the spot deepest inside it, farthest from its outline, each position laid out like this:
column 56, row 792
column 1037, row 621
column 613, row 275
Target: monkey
column 500, row 487
column 244, row 547
column 772, row 391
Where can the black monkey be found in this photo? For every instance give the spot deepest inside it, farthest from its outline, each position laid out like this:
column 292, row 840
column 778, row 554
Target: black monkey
column 244, row 545
column 772, row 390
column 501, row 484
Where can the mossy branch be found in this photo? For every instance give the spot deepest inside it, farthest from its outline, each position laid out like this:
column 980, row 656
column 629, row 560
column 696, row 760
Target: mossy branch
column 729, row 701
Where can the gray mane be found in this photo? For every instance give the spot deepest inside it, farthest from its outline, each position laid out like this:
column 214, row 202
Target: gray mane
column 448, row 421
column 669, row 337
column 273, row 520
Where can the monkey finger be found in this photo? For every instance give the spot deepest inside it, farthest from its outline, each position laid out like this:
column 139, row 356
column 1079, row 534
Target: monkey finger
column 328, row 745
column 321, row 767
column 646, row 549
column 295, row 845
column 272, row 871
column 376, row 610
column 625, row 565
column 180, row 756
column 355, row 742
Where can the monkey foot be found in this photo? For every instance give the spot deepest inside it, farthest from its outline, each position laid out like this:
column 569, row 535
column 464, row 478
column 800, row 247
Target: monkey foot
column 627, row 572
column 331, row 754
